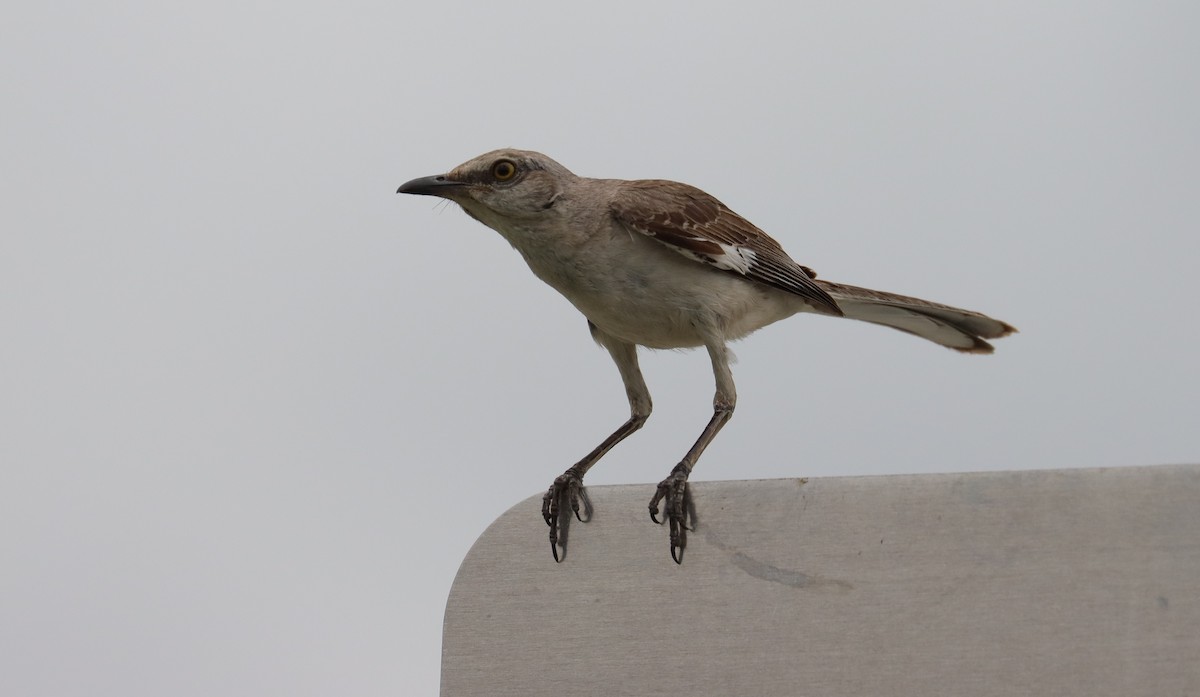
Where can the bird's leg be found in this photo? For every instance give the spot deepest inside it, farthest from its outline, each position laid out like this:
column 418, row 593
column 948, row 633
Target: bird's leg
column 563, row 497
column 674, row 489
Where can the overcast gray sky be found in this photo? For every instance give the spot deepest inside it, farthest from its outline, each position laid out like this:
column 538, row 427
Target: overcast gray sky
column 256, row 407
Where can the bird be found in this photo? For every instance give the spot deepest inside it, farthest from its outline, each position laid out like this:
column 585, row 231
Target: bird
column 663, row 265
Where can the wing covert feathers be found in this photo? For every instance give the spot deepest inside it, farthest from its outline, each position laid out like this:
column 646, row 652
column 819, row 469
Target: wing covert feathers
column 701, row 228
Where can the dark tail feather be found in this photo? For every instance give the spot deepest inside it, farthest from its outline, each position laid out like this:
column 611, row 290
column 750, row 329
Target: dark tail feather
column 961, row 330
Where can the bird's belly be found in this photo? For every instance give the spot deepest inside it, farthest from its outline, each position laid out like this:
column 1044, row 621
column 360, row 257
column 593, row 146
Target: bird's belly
column 639, row 291
column 644, row 323
column 717, row 307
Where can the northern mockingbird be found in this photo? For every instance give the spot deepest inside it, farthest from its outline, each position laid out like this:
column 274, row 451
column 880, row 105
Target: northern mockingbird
column 664, row 265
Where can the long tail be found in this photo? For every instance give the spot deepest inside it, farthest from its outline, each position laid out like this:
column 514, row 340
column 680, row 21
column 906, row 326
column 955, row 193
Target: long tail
column 961, row 330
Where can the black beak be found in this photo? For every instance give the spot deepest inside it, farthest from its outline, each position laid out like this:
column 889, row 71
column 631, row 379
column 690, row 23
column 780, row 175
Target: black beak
column 437, row 185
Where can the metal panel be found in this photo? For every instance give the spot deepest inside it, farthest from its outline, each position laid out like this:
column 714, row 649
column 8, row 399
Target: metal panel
column 1070, row 582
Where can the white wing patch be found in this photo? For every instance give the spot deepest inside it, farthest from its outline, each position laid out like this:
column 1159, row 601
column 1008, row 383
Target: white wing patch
column 731, row 258
column 734, row 258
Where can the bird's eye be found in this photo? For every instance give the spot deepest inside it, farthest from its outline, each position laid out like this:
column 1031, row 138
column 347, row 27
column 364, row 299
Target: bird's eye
column 504, row 170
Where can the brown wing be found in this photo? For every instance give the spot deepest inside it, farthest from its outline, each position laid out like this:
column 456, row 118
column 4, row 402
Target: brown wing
column 700, row 227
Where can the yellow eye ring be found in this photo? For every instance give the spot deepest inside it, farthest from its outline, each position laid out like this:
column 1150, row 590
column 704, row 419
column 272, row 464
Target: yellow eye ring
column 504, row 170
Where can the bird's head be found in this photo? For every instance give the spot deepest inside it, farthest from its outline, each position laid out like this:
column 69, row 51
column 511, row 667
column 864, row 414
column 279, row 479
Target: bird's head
column 500, row 186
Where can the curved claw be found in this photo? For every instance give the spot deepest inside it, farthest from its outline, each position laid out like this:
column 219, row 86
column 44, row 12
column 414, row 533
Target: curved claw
column 679, row 529
column 563, row 495
column 546, row 505
column 659, row 494
column 674, row 491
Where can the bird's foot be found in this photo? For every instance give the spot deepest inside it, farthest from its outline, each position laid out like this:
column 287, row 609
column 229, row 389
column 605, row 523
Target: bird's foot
column 560, row 502
column 674, row 492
